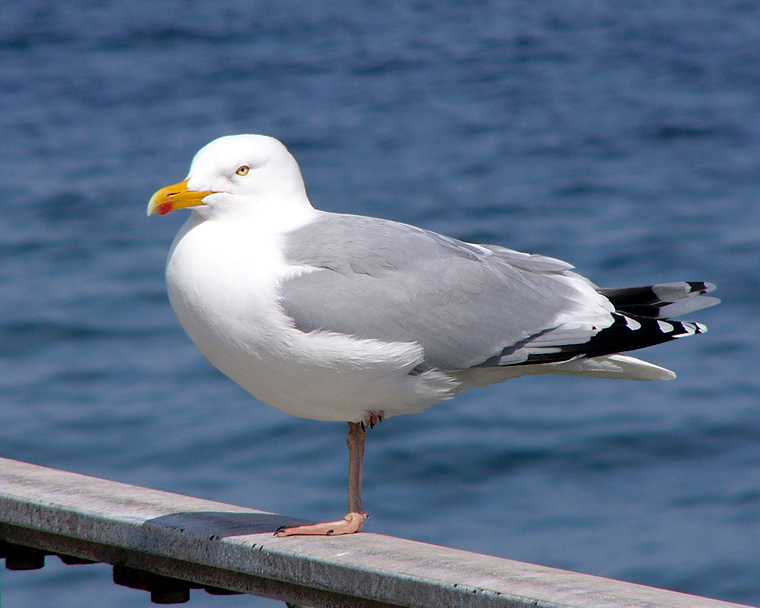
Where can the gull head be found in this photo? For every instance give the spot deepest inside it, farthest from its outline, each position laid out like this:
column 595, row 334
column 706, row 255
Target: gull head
column 236, row 176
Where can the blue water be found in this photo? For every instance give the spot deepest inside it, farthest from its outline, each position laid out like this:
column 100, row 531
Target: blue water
column 623, row 137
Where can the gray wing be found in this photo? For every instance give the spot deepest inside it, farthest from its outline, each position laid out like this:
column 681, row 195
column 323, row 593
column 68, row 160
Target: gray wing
column 467, row 305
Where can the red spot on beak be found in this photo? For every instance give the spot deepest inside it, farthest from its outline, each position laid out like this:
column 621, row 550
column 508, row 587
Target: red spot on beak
column 164, row 208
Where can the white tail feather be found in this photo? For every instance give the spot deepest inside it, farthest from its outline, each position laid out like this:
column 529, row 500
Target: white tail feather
column 620, row 367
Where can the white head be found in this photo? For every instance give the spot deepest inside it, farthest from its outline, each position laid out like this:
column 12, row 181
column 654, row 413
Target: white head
column 237, row 176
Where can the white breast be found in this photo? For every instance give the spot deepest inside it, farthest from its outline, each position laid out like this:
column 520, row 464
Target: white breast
column 223, row 280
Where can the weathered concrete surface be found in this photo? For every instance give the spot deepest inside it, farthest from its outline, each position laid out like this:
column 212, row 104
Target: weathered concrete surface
column 234, row 548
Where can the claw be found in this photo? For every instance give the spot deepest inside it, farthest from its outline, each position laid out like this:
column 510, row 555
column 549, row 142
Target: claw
column 372, row 418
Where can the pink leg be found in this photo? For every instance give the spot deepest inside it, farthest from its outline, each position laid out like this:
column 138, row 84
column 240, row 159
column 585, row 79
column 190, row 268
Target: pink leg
column 354, row 519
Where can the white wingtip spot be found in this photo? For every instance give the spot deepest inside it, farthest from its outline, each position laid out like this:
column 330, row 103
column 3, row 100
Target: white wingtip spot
column 691, row 329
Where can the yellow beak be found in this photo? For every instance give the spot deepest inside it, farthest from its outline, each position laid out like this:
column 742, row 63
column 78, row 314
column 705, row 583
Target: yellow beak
column 174, row 197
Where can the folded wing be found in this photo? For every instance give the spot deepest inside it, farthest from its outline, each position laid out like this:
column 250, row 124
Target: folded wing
column 467, row 305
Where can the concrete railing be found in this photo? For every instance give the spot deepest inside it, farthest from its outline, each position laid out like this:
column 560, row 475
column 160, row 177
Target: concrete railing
column 168, row 544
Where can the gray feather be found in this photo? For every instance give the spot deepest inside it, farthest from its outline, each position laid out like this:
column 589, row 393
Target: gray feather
column 465, row 304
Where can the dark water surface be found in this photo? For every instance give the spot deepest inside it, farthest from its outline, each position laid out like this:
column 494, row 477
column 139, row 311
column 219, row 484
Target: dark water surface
column 623, row 137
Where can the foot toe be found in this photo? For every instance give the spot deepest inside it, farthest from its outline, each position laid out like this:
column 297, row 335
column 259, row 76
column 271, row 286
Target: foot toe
column 350, row 524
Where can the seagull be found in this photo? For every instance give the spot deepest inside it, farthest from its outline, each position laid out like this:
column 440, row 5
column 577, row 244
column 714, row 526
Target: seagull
column 349, row 318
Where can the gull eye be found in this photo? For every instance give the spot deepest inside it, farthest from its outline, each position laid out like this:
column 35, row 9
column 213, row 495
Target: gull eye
column 242, row 170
